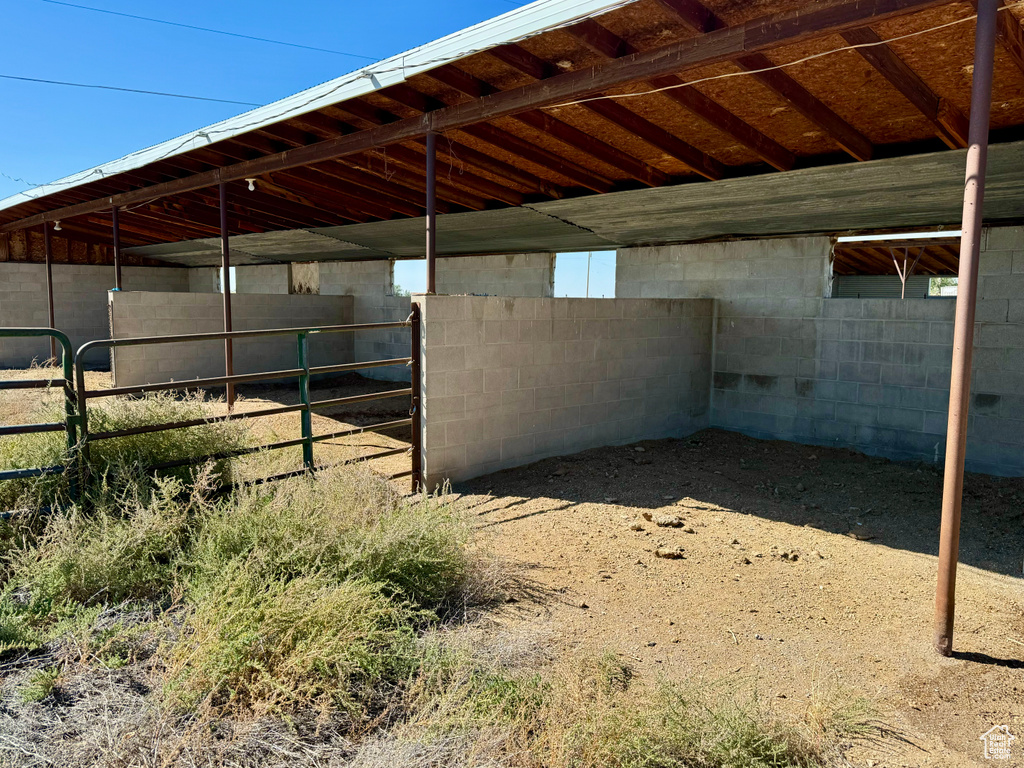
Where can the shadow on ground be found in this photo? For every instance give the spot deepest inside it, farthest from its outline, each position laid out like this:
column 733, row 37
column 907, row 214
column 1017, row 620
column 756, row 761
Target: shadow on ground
column 893, row 504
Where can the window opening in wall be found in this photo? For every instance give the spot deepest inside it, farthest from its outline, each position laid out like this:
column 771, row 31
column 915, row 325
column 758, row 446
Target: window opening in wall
column 909, row 265
column 220, row 279
column 409, row 277
column 585, row 274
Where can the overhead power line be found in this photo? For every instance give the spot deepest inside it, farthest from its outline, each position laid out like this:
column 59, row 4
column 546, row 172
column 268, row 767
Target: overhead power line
column 130, row 90
column 208, row 29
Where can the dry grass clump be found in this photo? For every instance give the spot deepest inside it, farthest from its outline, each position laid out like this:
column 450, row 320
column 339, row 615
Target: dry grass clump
column 467, row 710
column 116, row 466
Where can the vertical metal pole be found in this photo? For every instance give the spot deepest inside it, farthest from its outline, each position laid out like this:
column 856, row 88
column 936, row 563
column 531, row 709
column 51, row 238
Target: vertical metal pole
column 305, row 414
column 417, row 399
column 115, row 219
column 225, row 265
column 963, row 333
column 50, row 319
column 83, row 424
column 589, row 255
column 431, row 212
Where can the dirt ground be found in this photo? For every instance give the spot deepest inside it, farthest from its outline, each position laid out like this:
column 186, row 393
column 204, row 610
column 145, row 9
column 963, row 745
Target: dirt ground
column 803, row 569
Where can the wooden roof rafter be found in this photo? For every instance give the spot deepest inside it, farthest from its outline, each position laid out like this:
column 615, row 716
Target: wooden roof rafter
column 703, row 20
column 615, row 113
column 950, row 123
column 608, row 44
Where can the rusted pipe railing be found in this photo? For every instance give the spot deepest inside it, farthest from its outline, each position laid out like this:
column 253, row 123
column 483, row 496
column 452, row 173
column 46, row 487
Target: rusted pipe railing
column 225, row 266
column 963, row 333
column 431, row 212
column 48, row 248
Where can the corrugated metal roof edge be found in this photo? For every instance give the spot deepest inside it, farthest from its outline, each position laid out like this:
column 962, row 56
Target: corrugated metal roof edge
column 518, row 24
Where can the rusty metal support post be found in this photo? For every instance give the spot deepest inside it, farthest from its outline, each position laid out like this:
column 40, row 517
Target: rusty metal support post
column 225, row 265
column 50, row 318
column 431, row 212
column 416, row 378
column 116, row 224
column 963, row 333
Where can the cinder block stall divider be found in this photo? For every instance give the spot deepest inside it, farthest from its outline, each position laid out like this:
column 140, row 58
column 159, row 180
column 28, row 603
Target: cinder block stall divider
column 167, row 314
column 509, row 381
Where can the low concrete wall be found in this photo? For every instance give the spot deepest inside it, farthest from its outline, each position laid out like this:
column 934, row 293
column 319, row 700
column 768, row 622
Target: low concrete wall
column 79, row 298
column 869, row 374
column 510, row 381
column 371, row 285
column 263, row 278
column 164, row 314
column 513, row 274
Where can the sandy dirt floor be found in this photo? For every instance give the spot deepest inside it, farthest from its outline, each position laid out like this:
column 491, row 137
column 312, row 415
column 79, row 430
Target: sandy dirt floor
column 801, row 569
column 798, row 569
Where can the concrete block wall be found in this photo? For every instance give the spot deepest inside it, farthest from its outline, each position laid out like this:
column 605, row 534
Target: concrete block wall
column 514, row 274
column 508, row 381
column 80, row 302
column 263, row 278
column 371, row 285
column 156, row 314
column 869, row 374
column 204, row 280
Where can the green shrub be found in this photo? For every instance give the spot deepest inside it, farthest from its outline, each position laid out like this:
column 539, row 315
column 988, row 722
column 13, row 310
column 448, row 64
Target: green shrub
column 40, row 685
column 104, row 556
column 344, row 524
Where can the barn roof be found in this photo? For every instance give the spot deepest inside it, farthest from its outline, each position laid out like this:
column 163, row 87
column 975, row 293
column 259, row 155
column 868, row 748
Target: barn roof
column 580, row 123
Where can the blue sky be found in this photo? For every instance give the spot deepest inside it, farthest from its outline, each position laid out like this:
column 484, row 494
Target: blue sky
column 570, row 275
column 50, row 131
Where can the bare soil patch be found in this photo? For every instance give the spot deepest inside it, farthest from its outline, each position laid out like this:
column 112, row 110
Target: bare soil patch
column 802, row 568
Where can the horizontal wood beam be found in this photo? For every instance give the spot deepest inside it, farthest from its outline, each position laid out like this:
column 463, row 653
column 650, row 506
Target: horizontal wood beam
column 950, row 123
column 717, row 46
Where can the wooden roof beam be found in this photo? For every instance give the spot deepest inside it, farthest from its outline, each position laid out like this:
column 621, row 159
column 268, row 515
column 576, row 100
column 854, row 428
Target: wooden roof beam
column 327, row 127
column 692, row 12
column 458, row 152
column 611, row 110
column 567, row 134
column 513, row 144
column 1009, row 33
column 788, row 27
column 373, row 196
column 950, row 123
column 608, row 44
column 506, row 141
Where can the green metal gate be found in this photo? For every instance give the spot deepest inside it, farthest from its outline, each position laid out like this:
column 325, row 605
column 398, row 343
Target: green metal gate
column 77, row 397
column 70, row 423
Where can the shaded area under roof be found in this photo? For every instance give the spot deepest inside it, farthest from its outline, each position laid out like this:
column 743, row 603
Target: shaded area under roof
column 922, row 190
column 509, row 230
